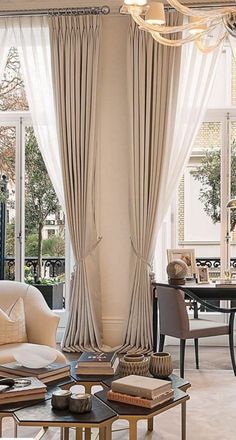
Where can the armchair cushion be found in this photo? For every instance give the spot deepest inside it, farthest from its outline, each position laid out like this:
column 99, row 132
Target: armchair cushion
column 12, row 323
column 200, row 328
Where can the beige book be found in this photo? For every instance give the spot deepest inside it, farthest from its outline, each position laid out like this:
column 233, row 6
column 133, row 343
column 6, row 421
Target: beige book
column 22, row 398
column 140, row 401
column 141, row 386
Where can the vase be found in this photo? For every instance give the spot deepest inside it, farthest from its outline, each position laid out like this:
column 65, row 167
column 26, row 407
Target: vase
column 160, row 364
column 134, row 364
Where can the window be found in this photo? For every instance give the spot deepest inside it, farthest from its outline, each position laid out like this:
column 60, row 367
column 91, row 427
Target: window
column 31, row 202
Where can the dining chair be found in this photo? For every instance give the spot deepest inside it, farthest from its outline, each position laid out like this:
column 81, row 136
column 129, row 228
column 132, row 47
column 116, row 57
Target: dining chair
column 174, row 321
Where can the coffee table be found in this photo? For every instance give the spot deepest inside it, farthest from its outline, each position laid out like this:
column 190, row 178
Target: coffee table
column 133, row 413
column 43, row 415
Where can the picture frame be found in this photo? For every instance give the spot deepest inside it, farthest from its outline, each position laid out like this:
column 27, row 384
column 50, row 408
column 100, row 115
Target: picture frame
column 203, row 275
column 187, row 255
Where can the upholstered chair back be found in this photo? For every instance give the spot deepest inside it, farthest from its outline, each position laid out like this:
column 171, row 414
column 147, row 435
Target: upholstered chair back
column 173, row 316
column 40, row 321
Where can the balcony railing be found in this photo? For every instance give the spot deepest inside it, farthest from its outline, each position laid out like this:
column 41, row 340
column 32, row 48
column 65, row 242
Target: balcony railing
column 51, row 267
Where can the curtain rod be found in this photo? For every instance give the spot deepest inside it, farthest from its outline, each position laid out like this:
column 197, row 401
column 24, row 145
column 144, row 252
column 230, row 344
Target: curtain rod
column 92, row 10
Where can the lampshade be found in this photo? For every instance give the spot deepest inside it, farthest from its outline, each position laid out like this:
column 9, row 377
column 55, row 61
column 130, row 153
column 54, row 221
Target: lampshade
column 155, row 13
column 200, row 28
column 231, row 203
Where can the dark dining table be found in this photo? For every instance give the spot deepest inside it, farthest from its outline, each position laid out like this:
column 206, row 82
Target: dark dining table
column 209, row 291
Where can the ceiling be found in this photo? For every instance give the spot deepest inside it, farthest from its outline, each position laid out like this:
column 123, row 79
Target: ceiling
column 9, row 5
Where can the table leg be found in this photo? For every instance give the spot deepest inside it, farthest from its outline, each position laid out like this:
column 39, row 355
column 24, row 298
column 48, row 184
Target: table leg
column 15, row 429
column 105, row 433
column 87, row 433
column 108, row 432
column 61, row 433
column 132, row 429
column 1, row 426
column 154, row 320
column 79, row 433
column 150, row 424
column 102, row 433
column 65, row 433
column 183, row 421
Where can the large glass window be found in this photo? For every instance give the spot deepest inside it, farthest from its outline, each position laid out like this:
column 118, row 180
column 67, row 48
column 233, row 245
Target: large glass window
column 34, row 227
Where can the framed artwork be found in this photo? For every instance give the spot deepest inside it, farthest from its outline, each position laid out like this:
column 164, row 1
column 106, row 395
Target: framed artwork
column 202, row 274
column 187, row 255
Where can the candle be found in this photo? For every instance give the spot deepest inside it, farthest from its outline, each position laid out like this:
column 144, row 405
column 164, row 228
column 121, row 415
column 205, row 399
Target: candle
column 61, row 399
column 80, row 403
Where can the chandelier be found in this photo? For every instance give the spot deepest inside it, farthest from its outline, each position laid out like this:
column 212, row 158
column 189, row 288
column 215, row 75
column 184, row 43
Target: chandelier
column 197, row 26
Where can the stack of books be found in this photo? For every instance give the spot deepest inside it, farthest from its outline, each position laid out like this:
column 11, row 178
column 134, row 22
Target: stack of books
column 97, row 363
column 47, row 374
column 141, row 391
column 35, row 391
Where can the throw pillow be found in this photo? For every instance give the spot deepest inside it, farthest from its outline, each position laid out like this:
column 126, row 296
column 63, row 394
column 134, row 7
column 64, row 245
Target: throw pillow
column 12, row 324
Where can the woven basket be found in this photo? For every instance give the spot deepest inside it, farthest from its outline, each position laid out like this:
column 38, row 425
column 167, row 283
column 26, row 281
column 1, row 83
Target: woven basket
column 139, row 368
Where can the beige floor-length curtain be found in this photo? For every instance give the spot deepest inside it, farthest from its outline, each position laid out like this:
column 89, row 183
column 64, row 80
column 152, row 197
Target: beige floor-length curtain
column 153, row 79
column 75, row 52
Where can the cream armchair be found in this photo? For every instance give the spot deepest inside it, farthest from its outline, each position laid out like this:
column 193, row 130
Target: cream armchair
column 41, row 322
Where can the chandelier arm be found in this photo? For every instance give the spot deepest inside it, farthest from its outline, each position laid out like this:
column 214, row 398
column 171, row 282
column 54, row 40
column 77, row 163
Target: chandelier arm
column 172, row 43
column 200, row 13
column 208, row 49
column 172, row 29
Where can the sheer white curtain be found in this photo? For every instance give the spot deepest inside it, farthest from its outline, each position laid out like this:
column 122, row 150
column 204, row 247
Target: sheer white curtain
column 196, row 79
column 5, row 44
column 31, row 37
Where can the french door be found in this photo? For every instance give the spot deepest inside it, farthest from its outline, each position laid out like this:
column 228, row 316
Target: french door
column 12, row 156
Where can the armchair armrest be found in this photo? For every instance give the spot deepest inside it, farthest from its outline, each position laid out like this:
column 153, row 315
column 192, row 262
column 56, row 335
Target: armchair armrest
column 42, row 330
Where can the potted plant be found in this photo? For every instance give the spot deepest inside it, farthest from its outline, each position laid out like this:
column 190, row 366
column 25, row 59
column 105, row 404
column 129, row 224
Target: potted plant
column 51, row 289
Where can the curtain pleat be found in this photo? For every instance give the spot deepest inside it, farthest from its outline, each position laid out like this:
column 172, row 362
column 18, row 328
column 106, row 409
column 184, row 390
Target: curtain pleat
column 75, row 51
column 153, row 76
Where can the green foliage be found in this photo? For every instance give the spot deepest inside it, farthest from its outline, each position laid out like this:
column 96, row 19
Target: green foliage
column 208, row 174
column 29, row 279
column 40, row 198
column 10, row 239
column 54, row 246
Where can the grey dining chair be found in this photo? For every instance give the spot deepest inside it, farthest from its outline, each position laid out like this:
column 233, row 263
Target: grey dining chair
column 174, row 321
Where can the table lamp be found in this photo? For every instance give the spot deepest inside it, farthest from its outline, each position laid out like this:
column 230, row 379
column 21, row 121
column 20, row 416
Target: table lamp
column 230, row 205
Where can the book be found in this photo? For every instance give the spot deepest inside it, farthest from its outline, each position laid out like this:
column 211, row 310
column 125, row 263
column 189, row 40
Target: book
column 140, row 401
column 35, row 386
column 22, row 398
column 16, row 370
column 35, row 390
column 98, row 370
column 141, row 386
column 45, row 380
column 100, row 359
column 97, row 363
